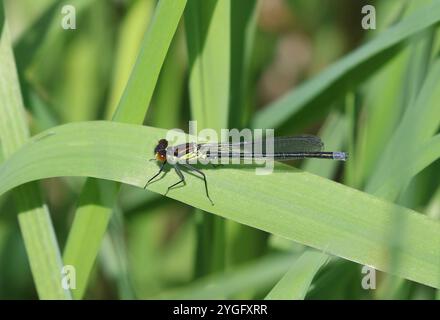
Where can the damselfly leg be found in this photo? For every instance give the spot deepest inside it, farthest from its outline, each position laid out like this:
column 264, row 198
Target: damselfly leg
column 180, row 174
column 182, row 177
column 189, row 167
column 153, row 177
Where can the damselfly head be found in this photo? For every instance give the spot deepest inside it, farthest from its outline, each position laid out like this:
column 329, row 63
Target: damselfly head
column 161, row 150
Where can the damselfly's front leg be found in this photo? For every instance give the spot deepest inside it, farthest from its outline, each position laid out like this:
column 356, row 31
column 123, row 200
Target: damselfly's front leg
column 189, row 167
column 152, row 178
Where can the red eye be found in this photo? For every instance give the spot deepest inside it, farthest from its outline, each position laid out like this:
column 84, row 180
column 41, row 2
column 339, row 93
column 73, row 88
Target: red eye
column 160, row 157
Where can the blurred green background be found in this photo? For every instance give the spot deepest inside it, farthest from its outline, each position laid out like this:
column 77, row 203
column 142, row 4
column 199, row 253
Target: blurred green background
column 154, row 246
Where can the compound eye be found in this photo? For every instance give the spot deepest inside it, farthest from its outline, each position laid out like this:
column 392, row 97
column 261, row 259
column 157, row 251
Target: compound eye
column 163, row 143
column 161, row 156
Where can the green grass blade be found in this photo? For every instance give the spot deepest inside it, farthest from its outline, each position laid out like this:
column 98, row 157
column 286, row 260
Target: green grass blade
column 131, row 199
column 384, row 102
column 333, row 132
column 418, row 64
column 35, row 42
column 35, row 224
column 387, row 101
column 131, row 32
column 137, row 95
column 296, row 282
column 113, row 256
column 243, row 243
column 244, row 16
column 41, row 243
column 355, row 67
column 384, row 108
column 85, row 67
column 433, row 209
column 289, row 203
column 254, row 275
column 93, row 215
column 351, row 167
column 417, row 126
column 88, row 229
column 207, row 26
column 167, row 103
column 400, row 175
column 151, row 264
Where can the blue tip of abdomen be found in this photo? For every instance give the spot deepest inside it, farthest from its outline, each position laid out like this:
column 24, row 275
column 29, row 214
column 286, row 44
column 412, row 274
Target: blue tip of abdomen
column 343, row 156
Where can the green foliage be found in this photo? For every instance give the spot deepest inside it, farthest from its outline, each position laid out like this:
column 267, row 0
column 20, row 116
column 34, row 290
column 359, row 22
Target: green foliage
column 289, row 203
column 97, row 200
column 36, row 227
column 346, row 73
column 296, row 282
column 245, row 65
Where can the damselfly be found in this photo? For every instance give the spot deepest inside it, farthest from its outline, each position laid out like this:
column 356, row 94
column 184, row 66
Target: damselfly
column 281, row 149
